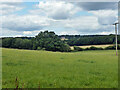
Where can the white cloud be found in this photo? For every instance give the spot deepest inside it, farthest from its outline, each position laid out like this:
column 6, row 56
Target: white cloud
column 27, row 32
column 57, row 15
column 9, row 33
column 56, row 9
column 83, row 22
column 12, row 1
column 9, row 7
column 32, row 24
column 69, row 32
column 24, row 23
column 31, row 33
column 18, row 35
column 106, row 16
column 106, row 33
column 85, row 25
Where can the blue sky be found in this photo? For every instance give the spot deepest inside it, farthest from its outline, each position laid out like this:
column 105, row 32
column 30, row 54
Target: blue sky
column 27, row 6
column 29, row 18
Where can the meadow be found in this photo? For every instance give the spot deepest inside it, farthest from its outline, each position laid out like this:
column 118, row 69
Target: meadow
column 45, row 69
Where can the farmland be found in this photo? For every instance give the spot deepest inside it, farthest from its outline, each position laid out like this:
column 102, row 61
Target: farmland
column 85, row 69
column 88, row 46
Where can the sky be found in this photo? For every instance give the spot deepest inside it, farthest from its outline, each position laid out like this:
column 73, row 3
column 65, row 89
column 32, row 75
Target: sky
column 64, row 18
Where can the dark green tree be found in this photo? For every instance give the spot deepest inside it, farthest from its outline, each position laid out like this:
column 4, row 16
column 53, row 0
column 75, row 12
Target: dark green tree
column 51, row 42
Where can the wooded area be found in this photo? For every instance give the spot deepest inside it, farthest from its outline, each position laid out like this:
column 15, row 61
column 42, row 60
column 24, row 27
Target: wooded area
column 51, row 42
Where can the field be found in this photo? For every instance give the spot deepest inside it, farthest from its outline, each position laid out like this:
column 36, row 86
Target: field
column 87, row 46
column 44, row 69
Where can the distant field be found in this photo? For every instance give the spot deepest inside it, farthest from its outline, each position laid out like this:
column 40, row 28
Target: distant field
column 85, row 69
column 87, row 46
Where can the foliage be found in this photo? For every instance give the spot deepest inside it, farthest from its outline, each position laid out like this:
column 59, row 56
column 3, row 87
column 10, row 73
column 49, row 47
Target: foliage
column 78, row 48
column 94, row 48
column 51, row 42
column 91, row 40
column 112, row 47
column 39, row 48
column 44, row 40
column 0, row 42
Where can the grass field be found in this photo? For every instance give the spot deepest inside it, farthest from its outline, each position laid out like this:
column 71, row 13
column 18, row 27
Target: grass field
column 85, row 69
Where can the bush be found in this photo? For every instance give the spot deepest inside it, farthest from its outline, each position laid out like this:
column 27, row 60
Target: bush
column 110, row 48
column 118, row 47
column 0, row 42
column 39, row 48
column 78, row 49
column 94, row 48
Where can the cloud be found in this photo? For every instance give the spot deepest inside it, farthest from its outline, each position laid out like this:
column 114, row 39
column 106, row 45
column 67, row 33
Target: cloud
column 10, row 7
column 9, row 33
column 30, row 25
column 97, row 5
column 69, row 32
column 11, row 1
column 56, row 9
column 60, row 17
column 24, row 23
column 81, row 25
column 31, row 33
column 83, row 22
column 105, row 33
column 106, row 16
column 27, row 32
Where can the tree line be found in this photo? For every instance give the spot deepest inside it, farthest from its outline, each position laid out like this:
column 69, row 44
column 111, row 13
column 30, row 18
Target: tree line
column 77, row 40
column 43, row 41
column 51, row 42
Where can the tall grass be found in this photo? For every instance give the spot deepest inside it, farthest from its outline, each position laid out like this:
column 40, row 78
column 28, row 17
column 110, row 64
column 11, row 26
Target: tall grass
column 33, row 69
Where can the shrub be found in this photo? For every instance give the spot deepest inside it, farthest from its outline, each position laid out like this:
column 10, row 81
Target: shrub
column 39, row 48
column 94, row 48
column 118, row 47
column 0, row 42
column 87, row 48
column 78, row 49
column 110, row 48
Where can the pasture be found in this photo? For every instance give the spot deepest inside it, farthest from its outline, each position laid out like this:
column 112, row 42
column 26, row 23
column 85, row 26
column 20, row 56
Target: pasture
column 44, row 69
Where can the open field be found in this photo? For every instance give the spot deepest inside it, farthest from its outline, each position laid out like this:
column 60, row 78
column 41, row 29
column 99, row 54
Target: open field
column 87, row 46
column 85, row 69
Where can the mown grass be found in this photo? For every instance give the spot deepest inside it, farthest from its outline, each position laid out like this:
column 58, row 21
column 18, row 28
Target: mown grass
column 85, row 69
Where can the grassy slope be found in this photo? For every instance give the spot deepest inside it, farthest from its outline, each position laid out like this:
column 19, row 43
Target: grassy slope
column 93, row 69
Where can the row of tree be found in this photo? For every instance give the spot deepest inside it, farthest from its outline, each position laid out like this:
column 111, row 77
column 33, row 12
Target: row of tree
column 52, row 42
column 43, row 41
column 91, row 40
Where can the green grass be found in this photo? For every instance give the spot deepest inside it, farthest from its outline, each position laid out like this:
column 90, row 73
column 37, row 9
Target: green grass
column 85, row 69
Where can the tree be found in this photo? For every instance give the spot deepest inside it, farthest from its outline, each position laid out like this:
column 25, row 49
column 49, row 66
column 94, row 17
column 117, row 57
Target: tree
column 51, row 42
column 7, row 42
